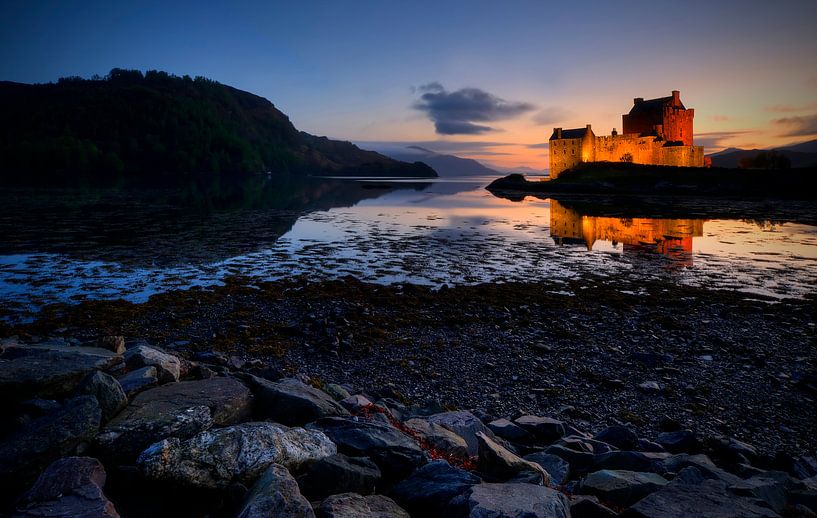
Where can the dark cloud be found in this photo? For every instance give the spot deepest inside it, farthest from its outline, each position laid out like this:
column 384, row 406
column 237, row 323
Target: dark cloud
column 551, row 114
column 459, row 112
column 541, row 145
column 798, row 126
column 716, row 138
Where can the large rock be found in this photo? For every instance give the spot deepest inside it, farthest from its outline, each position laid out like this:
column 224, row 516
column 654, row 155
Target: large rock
column 240, row 453
column 510, row 431
column 580, row 461
column 465, row 424
column 69, row 487
column 174, row 410
column 275, row 494
column 631, row 461
column 394, row 453
column 428, row 490
column 115, row 344
column 168, row 366
column 49, row 373
column 511, row 501
column 681, row 441
column 702, row 463
column 499, row 464
column 619, row 436
column 292, row 402
column 621, row 487
column 351, row 505
column 107, row 392
column 709, row 498
column 439, row 437
column 24, row 454
column 339, row 474
column 545, row 429
column 555, row 466
column 138, row 380
column 584, row 506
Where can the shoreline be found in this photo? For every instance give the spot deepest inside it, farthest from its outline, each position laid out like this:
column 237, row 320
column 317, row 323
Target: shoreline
column 577, row 350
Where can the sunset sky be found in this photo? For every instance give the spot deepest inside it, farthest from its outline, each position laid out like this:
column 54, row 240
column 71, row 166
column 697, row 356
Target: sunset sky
column 487, row 80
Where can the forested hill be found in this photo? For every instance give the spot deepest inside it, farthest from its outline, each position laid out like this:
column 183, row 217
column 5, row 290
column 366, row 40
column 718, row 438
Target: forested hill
column 129, row 123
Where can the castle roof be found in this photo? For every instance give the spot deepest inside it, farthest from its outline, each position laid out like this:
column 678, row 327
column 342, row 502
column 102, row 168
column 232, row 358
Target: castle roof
column 569, row 133
column 653, row 108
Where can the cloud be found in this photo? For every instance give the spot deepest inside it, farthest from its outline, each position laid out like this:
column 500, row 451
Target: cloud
column 551, row 114
column 799, row 126
column 716, row 138
column 721, row 118
column 459, row 112
column 541, row 145
column 791, row 108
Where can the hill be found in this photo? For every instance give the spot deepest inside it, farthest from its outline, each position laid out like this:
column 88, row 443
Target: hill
column 803, row 147
column 159, row 124
column 731, row 157
column 444, row 165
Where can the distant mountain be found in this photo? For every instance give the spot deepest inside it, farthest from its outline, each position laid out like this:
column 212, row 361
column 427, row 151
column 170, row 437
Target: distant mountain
column 159, row 124
column 731, row 157
column 803, row 147
column 445, row 165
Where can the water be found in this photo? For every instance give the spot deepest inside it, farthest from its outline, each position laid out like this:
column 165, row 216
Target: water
column 71, row 245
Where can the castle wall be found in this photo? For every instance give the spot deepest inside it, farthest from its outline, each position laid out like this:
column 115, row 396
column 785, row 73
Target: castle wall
column 564, row 154
column 678, row 125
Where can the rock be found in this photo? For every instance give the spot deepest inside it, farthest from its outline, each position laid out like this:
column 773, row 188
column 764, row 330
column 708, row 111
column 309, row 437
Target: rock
column 174, row 410
column 649, row 446
column 709, row 498
column 168, row 366
column 428, row 490
column 355, row 403
column 211, row 357
column 336, row 392
column 499, row 464
column 114, row 344
column 351, row 505
column 768, row 488
column 69, row 487
column 668, row 424
column 439, row 437
column 631, row 461
column 556, row 467
column 49, row 374
column 511, row 501
column 138, row 380
column 621, row 487
column 584, row 506
column 394, row 453
column 681, row 441
column 107, row 392
column 619, row 436
column 25, row 453
column 579, row 461
column 650, row 387
column 339, row 474
column 465, row 424
column 545, row 429
column 702, row 463
column 292, row 402
column 732, row 450
column 510, row 431
column 275, row 494
column 239, row 453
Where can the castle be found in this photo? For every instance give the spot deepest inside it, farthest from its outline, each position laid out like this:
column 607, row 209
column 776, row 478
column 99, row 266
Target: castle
column 656, row 132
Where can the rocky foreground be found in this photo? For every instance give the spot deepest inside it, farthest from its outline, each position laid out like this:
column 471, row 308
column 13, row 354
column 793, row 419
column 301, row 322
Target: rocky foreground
column 116, row 427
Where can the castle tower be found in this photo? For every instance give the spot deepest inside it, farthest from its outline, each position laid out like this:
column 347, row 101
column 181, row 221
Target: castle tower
column 665, row 118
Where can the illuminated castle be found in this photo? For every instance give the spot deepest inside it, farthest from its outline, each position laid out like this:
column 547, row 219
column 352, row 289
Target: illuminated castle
column 656, row 132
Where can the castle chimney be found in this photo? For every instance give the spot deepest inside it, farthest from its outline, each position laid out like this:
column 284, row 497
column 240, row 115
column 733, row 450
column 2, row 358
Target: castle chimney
column 614, row 132
column 588, row 127
column 676, row 97
column 638, row 100
column 558, row 132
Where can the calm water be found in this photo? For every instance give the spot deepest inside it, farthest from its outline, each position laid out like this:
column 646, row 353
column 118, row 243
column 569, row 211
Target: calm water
column 70, row 245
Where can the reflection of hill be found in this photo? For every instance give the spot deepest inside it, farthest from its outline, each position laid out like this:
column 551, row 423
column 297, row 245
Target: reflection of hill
column 199, row 222
column 670, row 237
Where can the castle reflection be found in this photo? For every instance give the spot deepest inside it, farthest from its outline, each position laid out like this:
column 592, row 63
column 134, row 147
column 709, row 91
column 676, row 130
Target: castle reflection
column 669, row 237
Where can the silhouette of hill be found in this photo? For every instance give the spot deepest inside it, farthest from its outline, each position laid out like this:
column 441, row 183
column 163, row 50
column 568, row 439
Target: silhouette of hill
column 803, row 147
column 158, row 124
column 445, row 165
column 731, row 157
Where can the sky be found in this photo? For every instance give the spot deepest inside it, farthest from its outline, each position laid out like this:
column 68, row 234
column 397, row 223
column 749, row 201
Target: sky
column 485, row 80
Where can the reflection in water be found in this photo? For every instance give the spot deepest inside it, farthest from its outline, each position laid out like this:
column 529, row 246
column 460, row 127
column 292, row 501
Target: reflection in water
column 669, row 237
